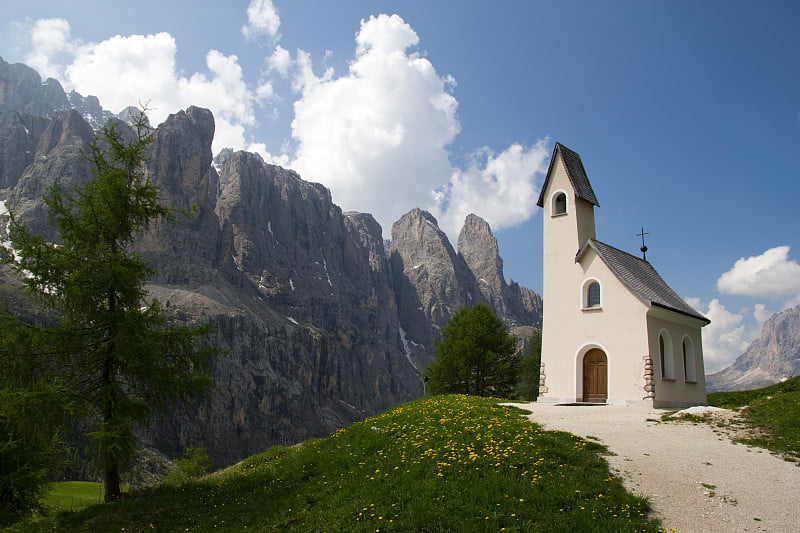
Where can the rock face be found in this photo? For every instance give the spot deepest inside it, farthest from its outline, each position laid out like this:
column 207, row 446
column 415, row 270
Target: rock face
column 478, row 248
column 57, row 156
column 518, row 305
column 769, row 359
column 322, row 326
column 301, row 294
column 21, row 88
column 432, row 281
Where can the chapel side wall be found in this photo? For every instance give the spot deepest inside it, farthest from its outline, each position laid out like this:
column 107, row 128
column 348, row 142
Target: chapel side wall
column 676, row 392
column 559, row 348
column 584, row 212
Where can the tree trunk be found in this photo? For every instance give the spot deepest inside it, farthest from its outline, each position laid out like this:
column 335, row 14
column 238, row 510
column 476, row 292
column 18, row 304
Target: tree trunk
column 111, row 483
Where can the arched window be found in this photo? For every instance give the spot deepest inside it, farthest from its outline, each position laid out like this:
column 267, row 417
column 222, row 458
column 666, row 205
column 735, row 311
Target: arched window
column 593, row 295
column 559, row 204
column 689, row 364
column 665, row 356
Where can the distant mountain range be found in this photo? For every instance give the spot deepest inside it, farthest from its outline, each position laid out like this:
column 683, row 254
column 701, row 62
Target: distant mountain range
column 323, row 322
column 773, row 357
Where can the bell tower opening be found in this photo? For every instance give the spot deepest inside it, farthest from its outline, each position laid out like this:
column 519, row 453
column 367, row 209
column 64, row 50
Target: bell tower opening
column 560, row 204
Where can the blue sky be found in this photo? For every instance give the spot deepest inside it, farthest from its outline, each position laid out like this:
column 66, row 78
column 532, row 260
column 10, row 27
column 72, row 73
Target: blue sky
column 686, row 115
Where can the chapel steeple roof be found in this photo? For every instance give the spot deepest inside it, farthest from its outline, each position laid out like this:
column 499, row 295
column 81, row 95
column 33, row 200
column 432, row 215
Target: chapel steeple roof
column 575, row 171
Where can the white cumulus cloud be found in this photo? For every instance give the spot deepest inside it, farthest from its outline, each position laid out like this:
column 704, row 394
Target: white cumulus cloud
column 378, row 137
column 141, row 69
column 761, row 313
column 498, row 186
column 280, row 61
column 50, row 40
column 769, row 275
column 726, row 338
column 124, row 71
column 262, row 19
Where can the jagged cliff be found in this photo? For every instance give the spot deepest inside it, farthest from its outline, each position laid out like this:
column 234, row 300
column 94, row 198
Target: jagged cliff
column 774, row 356
column 519, row 305
column 432, row 281
column 22, row 89
column 321, row 326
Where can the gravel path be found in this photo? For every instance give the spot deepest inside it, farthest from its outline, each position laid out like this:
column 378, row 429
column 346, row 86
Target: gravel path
column 696, row 478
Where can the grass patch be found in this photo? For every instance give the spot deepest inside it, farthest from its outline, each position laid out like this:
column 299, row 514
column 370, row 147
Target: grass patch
column 733, row 399
column 446, row 463
column 684, row 417
column 73, row 495
column 775, row 410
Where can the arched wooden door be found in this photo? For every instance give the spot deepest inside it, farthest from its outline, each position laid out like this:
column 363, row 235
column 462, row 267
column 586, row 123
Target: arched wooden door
column 595, row 376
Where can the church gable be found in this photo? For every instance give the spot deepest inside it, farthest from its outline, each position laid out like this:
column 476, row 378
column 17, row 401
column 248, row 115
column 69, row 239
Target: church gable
column 641, row 278
column 602, row 292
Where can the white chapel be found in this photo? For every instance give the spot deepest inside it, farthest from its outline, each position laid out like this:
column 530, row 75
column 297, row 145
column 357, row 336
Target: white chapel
column 613, row 331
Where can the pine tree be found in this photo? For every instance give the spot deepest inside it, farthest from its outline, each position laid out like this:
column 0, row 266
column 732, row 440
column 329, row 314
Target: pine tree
column 475, row 355
column 31, row 414
column 530, row 367
column 110, row 355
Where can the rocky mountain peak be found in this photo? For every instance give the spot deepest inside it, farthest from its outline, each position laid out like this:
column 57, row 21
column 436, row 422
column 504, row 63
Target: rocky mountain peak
column 432, row 281
column 54, row 153
column 422, row 252
column 775, row 355
column 131, row 114
column 181, row 157
column 21, row 89
column 478, row 247
column 418, row 222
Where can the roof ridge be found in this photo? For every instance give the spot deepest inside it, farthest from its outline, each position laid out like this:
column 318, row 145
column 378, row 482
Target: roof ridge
column 621, row 251
column 562, row 147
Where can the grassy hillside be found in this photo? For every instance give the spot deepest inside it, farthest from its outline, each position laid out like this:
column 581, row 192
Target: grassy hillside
column 774, row 409
column 447, row 463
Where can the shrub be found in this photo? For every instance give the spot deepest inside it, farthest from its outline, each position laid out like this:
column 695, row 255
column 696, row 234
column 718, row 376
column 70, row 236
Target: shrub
column 192, row 465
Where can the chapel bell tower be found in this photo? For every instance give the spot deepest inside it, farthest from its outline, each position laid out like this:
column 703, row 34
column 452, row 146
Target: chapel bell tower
column 568, row 203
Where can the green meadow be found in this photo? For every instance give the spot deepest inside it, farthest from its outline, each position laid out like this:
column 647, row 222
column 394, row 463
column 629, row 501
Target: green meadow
column 443, row 463
column 775, row 410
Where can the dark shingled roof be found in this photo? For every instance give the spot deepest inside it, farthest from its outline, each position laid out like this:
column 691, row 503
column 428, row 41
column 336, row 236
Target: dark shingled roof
column 641, row 278
column 575, row 171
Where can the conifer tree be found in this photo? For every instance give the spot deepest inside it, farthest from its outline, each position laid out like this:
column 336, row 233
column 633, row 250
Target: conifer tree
column 530, row 367
column 110, row 354
column 475, row 355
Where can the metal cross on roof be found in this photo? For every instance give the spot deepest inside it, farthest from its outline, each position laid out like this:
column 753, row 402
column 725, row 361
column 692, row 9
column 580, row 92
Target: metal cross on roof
column 643, row 248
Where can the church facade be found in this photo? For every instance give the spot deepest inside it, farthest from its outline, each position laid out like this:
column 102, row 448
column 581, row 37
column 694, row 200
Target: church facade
column 613, row 331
